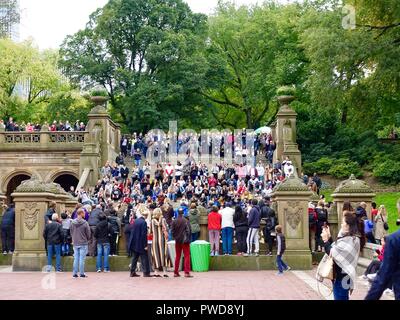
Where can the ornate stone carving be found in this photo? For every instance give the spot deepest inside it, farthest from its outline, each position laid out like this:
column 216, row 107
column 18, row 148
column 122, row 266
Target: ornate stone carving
column 353, row 185
column 293, row 214
column 30, row 214
column 36, row 185
column 292, row 183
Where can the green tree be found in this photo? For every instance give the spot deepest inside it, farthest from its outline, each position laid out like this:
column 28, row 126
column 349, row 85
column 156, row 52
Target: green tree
column 251, row 52
column 146, row 54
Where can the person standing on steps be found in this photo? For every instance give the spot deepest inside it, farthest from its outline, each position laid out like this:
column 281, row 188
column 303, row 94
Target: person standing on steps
column 138, row 244
column 53, row 236
column 214, row 229
column 254, row 227
column 182, row 235
column 80, row 233
column 241, row 229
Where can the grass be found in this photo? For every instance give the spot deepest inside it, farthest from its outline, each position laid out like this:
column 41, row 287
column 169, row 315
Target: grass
column 389, row 199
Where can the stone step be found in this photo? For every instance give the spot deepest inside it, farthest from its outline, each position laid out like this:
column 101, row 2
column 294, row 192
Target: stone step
column 217, row 263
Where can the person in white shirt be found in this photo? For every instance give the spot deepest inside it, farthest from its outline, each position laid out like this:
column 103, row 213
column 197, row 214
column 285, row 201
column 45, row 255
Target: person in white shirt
column 261, row 171
column 227, row 227
column 178, row 170
column 169, row 171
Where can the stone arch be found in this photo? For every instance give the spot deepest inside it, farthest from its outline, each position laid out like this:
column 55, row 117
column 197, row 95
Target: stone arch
column 13, row 180
column 65, row 178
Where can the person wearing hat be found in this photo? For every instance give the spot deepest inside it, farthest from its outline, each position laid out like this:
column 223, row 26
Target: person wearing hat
column 138, row 243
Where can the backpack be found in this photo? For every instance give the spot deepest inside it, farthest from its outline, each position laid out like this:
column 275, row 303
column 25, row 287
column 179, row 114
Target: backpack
column 311, row 219
column 114, row 224
column 270, row 223
column 322, row 216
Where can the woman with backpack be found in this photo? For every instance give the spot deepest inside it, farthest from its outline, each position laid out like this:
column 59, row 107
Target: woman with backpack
column 381, row 226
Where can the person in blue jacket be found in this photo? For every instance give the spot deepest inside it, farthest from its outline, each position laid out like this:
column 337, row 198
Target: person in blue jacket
column 8, row 230
column 389, row 273
column 185, row 208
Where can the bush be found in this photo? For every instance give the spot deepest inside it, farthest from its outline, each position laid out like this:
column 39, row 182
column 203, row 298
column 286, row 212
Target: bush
column 99, row 93
column 386, row 131
column 320, row 166
column 387, row 171
column 344, row 167
column 286, row 91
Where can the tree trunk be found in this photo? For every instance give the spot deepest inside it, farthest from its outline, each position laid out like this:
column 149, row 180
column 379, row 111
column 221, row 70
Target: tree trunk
column 249, row 119
column 344, row 114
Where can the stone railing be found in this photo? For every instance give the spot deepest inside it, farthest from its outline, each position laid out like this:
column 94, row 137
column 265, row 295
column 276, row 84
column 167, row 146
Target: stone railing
column 42, row 140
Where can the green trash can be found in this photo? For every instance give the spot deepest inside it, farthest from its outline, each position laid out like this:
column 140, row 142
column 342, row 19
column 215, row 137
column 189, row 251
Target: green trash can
column 200, row 255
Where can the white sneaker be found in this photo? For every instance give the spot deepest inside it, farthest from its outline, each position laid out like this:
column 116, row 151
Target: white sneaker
column 371, row 277
column 388, row 292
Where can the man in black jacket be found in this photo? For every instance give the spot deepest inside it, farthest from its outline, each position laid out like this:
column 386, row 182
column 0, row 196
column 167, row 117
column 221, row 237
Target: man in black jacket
column 138, row 245
column 124, row 171
column 93, row 221
column 269, row 219
column 53, row 235
column 8, row 230
column 102, row 236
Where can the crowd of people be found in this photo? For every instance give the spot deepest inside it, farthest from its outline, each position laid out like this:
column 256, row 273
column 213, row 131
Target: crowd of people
column 155, row 204
column 11, row 125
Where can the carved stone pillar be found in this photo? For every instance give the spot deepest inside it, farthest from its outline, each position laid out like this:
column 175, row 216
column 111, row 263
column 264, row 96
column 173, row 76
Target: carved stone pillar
column 291, row 199
column 355, row 191
column 31, row 199
column 286, row 134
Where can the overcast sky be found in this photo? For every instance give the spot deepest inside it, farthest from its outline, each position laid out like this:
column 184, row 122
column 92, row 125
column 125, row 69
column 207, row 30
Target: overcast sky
column 49, row 21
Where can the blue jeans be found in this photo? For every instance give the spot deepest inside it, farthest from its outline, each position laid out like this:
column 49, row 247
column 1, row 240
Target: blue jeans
column 227, row 236
column 195, row 236
column 281, row 264
column 170, row 235
column 54, row 249
column 103, row 249
column 137, row 163
column 65, row 249
column 79, row 259
column 340, row 293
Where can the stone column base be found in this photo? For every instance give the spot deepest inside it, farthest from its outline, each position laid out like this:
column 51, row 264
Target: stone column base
column 29, row 261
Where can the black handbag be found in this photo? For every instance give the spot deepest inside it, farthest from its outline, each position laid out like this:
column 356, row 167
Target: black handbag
column 385, row 224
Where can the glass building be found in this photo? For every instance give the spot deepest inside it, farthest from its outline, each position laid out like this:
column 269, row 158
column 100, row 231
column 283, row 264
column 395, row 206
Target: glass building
column 9, row 19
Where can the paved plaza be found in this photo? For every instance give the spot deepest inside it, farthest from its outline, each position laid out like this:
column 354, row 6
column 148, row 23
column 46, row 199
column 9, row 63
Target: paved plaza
column 217, row 285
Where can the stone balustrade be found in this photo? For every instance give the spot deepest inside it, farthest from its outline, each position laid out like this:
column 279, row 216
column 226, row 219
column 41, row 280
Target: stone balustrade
column 20, row 138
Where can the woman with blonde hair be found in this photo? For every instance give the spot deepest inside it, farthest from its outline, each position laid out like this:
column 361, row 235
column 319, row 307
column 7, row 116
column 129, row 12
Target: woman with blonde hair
column 380, row 224
column 159, row 248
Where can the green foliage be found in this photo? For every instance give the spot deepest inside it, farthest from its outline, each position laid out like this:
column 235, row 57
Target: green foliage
column 286, row 91
column 321, row 166
column 344, row 167
column 147, row 54
column 387, row 170
column 252, row 51
column 386, row 131
column 99, row 93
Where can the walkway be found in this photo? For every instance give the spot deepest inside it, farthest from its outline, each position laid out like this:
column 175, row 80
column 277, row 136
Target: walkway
column 218, row 285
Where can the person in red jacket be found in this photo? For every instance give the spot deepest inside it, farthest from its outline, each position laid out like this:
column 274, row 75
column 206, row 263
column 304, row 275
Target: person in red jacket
column 214, row 229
